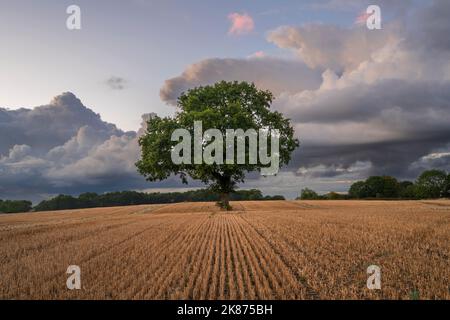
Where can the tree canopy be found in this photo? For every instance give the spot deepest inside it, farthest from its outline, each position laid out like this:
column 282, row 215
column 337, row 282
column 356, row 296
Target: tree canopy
column 222, row 106
column 431, row 184
column 308, row 194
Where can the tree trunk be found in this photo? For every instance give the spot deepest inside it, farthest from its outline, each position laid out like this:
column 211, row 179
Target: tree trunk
column 225, row 201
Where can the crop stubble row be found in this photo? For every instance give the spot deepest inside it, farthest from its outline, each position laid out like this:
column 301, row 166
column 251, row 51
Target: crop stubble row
column 261, row 250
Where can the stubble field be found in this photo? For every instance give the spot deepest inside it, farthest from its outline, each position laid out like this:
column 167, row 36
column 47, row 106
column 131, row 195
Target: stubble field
column 261, row 250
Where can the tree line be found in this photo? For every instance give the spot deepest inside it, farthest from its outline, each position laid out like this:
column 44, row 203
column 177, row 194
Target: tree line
column 124, row 198
column 430, row 184
column 13, row 206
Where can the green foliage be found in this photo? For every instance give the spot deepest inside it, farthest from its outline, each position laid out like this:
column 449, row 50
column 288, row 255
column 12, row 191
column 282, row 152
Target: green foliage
column 123, row 198
column 14, row 206
column 88, row 199
column 275, row 197
column 407, row 190
column 335, row 196
column 391, row 187
column 252, row 194
column 224, row 105
column 375, row 187
column 308, row 194
column 382, row 187
column 447, row 187
column 414, row 295
column 431, row 184
column 61, row 202
column 359, row 190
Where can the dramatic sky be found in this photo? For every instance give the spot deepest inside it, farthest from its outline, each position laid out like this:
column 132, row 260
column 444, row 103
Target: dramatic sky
column 73, row 103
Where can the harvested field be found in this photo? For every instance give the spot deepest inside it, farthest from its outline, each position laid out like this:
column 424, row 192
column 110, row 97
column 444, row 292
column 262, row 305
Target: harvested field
column 261, row 250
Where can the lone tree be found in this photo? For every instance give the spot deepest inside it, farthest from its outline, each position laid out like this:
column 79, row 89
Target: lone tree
column 222, row 106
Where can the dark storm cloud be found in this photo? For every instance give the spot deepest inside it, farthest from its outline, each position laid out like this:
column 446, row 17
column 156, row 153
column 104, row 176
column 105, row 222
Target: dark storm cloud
column 383, row 105
column 48, row 126
column 391, row 158
column 416, row 105
column 436, row 160
column 429, row 28
column 391, row 111
column 64, row 147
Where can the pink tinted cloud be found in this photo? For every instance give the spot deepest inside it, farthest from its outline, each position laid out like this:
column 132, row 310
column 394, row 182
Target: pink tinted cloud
column 240, row 23
column 362, row 18
column 257, row 54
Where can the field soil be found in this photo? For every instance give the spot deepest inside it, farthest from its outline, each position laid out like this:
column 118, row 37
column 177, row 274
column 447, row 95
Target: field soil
column 260, row 250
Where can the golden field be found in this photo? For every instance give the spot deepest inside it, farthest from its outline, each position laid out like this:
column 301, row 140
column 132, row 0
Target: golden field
column 260, row 250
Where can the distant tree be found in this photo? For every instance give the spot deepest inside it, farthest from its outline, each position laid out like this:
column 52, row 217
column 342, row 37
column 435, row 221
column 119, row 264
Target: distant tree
column 222, row 106
column 275, row 197
column 358, row 190
column 14, row 206
column 88, row 199
column 404, row 185
column 335, row 196
column 382, row 187
column 375, row 185
column 391, row 187
column 447, row 187
column 431, row 184
column 252, row 194
column 407, row 190
column 61, row 202
column 308, row 194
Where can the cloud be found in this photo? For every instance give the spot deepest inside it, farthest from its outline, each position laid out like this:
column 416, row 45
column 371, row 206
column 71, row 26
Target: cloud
column 64, row 147
column 329, row 47
column 241, row 24
column 266, row 72
column 257, row 54
column 388, row 6
column 116, row 83
column 48, row 126
column 388, row 106
column 361, row 101
column 440, row 159
column 361, row 19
